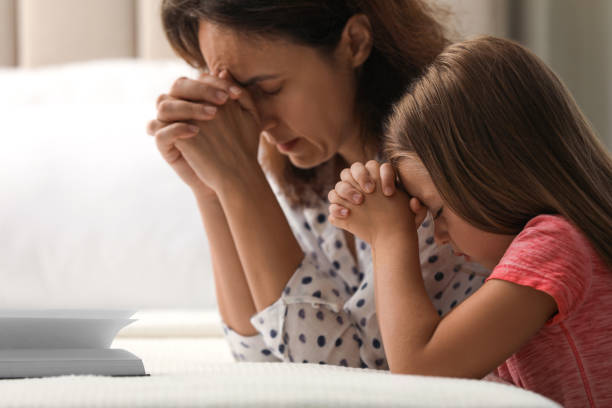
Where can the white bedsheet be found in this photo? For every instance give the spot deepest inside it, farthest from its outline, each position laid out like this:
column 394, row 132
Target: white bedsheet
column 188, row 372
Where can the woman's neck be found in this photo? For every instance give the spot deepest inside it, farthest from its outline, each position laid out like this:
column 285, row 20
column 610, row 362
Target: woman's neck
column 360, row 148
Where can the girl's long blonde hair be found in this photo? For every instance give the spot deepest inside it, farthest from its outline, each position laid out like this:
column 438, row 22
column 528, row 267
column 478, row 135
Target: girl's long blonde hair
column 504, row 141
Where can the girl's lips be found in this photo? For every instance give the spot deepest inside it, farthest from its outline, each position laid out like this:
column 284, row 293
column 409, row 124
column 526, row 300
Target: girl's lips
column 457, row 253
column 287, row 147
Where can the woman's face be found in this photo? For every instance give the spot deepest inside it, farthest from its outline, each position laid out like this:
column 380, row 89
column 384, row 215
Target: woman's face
column 474, row 244
column 305, row 100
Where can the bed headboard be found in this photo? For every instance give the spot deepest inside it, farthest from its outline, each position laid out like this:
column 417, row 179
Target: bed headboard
column 42, row 32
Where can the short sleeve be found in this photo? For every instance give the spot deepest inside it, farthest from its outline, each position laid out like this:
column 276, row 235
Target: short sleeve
column 248, row 348
column 552, row 256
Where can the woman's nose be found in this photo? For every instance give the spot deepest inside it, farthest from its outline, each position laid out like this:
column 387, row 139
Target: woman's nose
column 267, row 117
column 267, row 124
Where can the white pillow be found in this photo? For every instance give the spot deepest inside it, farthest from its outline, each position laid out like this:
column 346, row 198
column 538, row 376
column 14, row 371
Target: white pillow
column 90, row 214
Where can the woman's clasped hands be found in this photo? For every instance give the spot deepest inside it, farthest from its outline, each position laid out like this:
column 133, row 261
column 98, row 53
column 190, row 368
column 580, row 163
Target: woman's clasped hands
column 208, row 130
column 367, row 203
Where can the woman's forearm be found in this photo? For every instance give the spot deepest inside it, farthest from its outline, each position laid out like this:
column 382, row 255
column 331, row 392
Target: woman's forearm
column 269, row 253
column 406, row 315
column 233, row 294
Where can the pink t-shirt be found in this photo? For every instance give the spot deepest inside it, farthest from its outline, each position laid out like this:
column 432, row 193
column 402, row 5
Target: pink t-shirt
column 570, row 359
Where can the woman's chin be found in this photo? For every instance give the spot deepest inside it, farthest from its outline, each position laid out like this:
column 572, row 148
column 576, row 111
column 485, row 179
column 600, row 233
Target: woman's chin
column 302, row 162
column 309, row 159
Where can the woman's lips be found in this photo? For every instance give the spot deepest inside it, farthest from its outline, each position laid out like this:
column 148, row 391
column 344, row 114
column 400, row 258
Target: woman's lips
column 287, row 147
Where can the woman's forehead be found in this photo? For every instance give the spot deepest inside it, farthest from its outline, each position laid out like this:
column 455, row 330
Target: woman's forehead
column 242, row 55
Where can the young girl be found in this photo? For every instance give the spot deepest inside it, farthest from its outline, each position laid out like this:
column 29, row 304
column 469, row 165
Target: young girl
column 491, row 143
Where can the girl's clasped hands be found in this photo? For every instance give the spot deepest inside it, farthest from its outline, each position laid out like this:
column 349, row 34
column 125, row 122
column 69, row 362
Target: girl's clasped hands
column 367, row 203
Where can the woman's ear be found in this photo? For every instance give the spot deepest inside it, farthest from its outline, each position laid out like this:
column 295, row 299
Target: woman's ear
column 356, row 41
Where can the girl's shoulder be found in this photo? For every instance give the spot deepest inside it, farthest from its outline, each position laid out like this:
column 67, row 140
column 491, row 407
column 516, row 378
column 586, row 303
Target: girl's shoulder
column 552, row 255
column 550, row 223
column 552, row 230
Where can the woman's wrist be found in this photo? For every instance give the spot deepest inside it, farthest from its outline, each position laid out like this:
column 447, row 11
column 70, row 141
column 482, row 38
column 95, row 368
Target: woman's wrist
column 204, row 194
column 243, row 187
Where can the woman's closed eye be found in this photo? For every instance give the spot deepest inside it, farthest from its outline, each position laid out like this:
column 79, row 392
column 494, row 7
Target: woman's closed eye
column 272, row 92
column 268, row 90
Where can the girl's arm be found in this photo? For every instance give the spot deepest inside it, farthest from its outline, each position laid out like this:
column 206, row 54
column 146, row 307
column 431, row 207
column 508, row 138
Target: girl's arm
column 474, row 338
column 471, row 340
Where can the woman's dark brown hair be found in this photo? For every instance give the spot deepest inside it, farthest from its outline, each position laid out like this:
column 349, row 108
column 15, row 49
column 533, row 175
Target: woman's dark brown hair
column 504, row 141
column 406, row 37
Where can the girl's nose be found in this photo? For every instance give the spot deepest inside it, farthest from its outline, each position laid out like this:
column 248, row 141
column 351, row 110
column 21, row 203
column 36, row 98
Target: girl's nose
column 440, row 235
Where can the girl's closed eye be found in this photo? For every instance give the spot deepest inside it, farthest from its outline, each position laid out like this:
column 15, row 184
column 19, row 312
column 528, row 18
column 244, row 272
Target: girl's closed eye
column 438, row 213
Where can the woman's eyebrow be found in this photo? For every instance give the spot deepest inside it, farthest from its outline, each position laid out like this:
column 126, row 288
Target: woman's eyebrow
column 255, row 79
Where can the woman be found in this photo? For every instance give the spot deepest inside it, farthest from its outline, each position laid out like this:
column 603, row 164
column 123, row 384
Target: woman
column 307, row 84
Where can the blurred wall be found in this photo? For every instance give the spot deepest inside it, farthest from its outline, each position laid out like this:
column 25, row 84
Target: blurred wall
column 43, row 32
column 575, row 38
column 8, row 45
column 473, row 17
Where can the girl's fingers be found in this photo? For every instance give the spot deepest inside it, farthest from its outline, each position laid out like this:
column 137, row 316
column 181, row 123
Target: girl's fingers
column 347, row 177
column 348, row 192
column 338, row 211
column 373, row 168
column 173, row 110
column 415, row 205
column 362, row 176
column 419, row 210
column 387, row 179
column 334, row 198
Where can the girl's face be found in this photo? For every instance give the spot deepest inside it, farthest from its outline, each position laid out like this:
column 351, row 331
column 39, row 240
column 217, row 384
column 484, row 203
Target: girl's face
column 305, row 100
column 474, row 244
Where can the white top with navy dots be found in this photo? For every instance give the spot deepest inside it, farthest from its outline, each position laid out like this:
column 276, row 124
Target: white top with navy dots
column 326, row 314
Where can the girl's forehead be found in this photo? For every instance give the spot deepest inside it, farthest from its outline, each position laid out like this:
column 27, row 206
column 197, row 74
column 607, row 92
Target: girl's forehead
column 416, row 179
column 410, row 168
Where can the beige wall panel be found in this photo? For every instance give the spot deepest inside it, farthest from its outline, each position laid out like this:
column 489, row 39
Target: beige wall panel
column 576, row 41
column 8, row 36
column 152, row 42
column 59, row 31
column 475, row 17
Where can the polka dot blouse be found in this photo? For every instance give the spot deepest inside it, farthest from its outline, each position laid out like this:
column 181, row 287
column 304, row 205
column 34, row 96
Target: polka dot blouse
column 326, row 314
